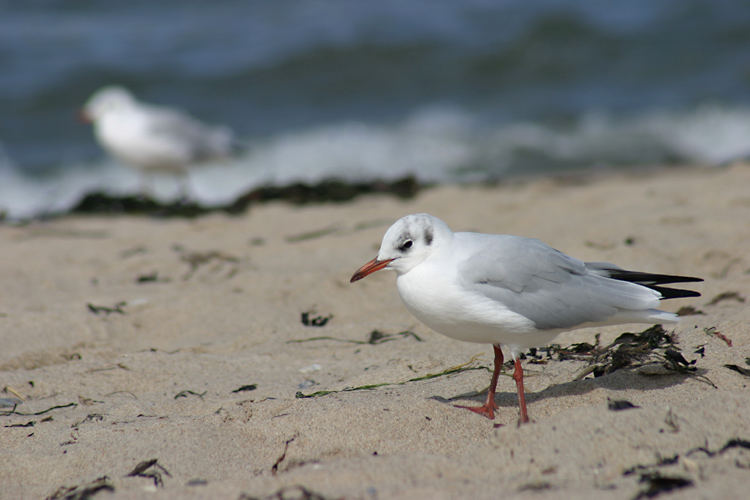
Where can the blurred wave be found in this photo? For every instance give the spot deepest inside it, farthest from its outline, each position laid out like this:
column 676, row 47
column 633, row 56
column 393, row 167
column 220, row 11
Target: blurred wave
column 433, row 144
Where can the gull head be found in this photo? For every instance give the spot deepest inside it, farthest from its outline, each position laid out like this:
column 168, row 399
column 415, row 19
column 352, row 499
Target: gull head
column 406, row 244
column 107, row 100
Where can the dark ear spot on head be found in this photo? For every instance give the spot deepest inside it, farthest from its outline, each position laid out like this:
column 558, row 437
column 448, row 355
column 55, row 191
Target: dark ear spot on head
column 428, row 236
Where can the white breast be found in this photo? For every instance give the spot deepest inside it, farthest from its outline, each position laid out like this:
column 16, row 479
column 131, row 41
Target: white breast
column 432, row 293
column 125, row 135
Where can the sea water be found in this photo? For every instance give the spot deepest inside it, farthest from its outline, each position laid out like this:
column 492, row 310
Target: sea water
column 446, row 91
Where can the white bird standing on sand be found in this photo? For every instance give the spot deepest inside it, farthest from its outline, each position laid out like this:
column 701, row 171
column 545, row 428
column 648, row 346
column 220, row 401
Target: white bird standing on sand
column 509, row 290
column 153, row 139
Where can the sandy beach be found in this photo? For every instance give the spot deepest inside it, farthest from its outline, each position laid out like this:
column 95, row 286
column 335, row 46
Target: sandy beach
column 230, row 357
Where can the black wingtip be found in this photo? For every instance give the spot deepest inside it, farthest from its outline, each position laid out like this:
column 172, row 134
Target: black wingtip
column 674, row 293
column 649, row 278
column 653, row 281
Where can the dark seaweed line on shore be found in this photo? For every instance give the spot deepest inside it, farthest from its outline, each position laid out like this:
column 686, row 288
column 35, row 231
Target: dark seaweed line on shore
column 329, row 190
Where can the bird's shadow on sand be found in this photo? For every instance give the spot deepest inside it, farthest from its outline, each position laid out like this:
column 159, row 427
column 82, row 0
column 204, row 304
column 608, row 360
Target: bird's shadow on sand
column 626, row 378
column 648, row 360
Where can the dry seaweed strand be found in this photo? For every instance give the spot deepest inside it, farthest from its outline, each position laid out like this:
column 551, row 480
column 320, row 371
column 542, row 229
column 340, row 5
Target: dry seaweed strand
column 117, row 308
column 319, row 321
column 726, row 296
column 150, row 469
column 83, row 492
column 13, row 411
column 450, row 371
column 188, row 392
column 275, row 467
column 375, row 337
column 657, row 483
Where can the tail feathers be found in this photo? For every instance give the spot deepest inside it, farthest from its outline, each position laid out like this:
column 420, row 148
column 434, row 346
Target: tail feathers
column 644, row 316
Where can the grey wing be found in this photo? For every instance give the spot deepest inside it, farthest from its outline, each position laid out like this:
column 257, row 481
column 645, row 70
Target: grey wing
column 203, row 141
column 550, row 288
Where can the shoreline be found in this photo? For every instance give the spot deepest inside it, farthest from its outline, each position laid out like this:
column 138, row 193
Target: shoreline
column 328, row 190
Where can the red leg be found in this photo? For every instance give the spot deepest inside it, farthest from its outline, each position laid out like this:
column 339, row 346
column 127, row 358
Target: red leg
column 518, row 377
column 489, row 407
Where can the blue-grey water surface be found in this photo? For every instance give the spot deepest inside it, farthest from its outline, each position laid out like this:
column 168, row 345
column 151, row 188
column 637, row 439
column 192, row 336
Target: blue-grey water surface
column 449, row 91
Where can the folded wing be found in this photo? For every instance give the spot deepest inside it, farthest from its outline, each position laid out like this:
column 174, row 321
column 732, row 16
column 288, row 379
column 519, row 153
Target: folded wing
column 557, row 291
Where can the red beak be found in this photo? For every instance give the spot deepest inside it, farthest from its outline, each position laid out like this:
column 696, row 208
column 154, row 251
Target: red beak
column 83, row 116
column 369, row 268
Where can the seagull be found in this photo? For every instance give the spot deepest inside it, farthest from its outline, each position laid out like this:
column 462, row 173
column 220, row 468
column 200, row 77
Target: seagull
column 510, row 290
column 153, row 139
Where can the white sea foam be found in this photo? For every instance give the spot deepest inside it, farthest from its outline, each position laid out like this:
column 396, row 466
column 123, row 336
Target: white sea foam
column 435, row 144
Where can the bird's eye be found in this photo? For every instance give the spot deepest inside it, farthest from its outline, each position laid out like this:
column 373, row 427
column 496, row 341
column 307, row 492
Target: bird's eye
column 406, row 245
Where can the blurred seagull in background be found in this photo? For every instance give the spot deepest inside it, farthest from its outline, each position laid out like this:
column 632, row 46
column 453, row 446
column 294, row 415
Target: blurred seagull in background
column 509, row 290
column 153, row 139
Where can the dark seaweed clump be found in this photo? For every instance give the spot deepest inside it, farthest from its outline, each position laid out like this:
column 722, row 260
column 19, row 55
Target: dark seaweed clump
column 330, row 190
column 629, row 350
